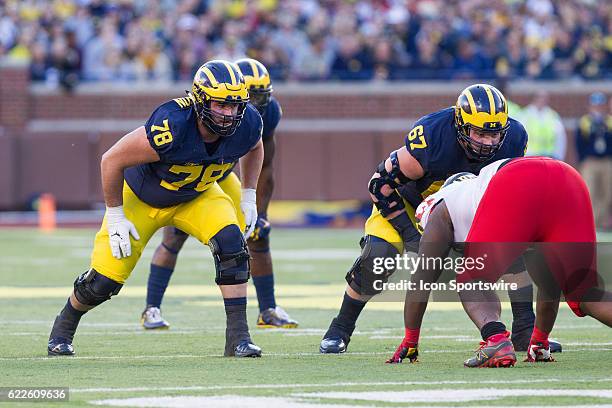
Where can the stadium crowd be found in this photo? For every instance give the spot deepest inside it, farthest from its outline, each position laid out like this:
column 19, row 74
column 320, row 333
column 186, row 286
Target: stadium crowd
column 70, row 40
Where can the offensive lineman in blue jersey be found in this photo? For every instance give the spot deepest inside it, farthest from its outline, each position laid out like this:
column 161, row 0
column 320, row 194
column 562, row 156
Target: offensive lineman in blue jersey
column 467, row 137
column 165, row 173
column 164, row 260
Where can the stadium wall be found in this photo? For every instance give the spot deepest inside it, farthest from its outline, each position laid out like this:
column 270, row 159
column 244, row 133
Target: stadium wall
column 330, row 139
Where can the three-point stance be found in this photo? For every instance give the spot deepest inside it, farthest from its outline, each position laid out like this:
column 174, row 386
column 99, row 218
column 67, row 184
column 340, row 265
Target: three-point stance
column 513, row 205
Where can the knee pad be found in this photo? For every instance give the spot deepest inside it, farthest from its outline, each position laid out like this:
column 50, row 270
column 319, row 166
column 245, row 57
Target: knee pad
column 91, row 288
column 366, row 270
column 231, row 256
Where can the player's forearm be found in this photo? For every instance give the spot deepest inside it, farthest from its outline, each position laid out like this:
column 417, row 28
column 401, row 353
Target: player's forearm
column 398, row 169
column 112, row 181
column 414, row 311
column 250, row 166
column 416, row 300
column 434, row 244
column 265, row 188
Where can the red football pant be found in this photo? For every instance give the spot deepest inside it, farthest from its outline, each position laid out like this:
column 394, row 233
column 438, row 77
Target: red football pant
column 536, row 199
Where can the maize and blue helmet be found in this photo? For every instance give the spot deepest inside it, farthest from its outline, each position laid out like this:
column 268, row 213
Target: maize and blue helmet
column 258, row 82
column 481, row 107
column 219, row 81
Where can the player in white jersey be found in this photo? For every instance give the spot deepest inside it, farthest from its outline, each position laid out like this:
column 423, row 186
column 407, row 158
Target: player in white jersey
column 511, row 205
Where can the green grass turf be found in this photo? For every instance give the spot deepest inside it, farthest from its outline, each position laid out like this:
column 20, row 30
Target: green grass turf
column 117, row 359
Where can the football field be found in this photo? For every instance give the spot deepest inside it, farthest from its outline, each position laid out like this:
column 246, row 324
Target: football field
column 119, row 364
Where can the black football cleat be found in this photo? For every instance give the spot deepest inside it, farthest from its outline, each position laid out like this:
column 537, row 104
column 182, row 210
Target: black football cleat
column 247, row 349
column 555, row 346
column 60, row 346
column 336, row 339
column 333, row 345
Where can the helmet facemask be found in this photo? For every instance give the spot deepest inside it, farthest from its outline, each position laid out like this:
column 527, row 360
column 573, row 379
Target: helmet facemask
column 260, row 97
column 258, row 82
column 481, row 108
column 220, row 82
column 219, row 123
column 474, row 149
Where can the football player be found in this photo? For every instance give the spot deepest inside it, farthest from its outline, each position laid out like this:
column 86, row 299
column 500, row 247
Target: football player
column 165, row 173
column 536, row 196
column 164, row 259
column 466, row 137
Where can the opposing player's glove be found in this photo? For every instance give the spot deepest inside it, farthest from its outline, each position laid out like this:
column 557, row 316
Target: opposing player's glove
column 262, row 228
column 249, row 209
column 119, row 230
column 405, row 350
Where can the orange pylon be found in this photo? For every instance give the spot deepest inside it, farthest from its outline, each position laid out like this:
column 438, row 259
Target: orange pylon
column 47, row 212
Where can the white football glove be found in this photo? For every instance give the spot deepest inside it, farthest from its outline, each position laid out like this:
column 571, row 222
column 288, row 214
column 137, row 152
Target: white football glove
column 119, row 230
column 248, row 206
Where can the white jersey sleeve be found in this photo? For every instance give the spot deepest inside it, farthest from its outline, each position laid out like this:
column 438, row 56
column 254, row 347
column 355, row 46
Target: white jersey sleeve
column 462, row 199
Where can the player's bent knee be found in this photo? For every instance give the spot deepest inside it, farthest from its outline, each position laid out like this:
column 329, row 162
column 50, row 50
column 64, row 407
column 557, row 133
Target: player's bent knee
column 369, row 270
column 231, row 256
column 92, row 288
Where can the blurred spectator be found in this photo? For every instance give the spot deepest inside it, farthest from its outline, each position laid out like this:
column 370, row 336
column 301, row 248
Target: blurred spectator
column 313, row 61
column 352, row 61
column 64, row 63
column 384, row 60
column 594, row 145
column 544, row 127
column 427, row 61
column 563, row 63
column 315, row 39
column 152, row 63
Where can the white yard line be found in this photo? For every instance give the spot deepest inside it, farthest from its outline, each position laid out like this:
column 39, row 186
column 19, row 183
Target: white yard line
column 225, row 401
column 265, row 354
column 587, row 344
column 456, row 395
column 337, row 384
column 235, row 401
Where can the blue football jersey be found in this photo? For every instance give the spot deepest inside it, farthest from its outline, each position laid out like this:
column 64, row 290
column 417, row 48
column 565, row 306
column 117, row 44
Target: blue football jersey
column 271, row 117
column 185, row 168
column 433, row 143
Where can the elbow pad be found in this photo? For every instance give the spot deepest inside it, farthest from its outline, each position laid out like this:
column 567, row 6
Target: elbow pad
column 394, row 178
